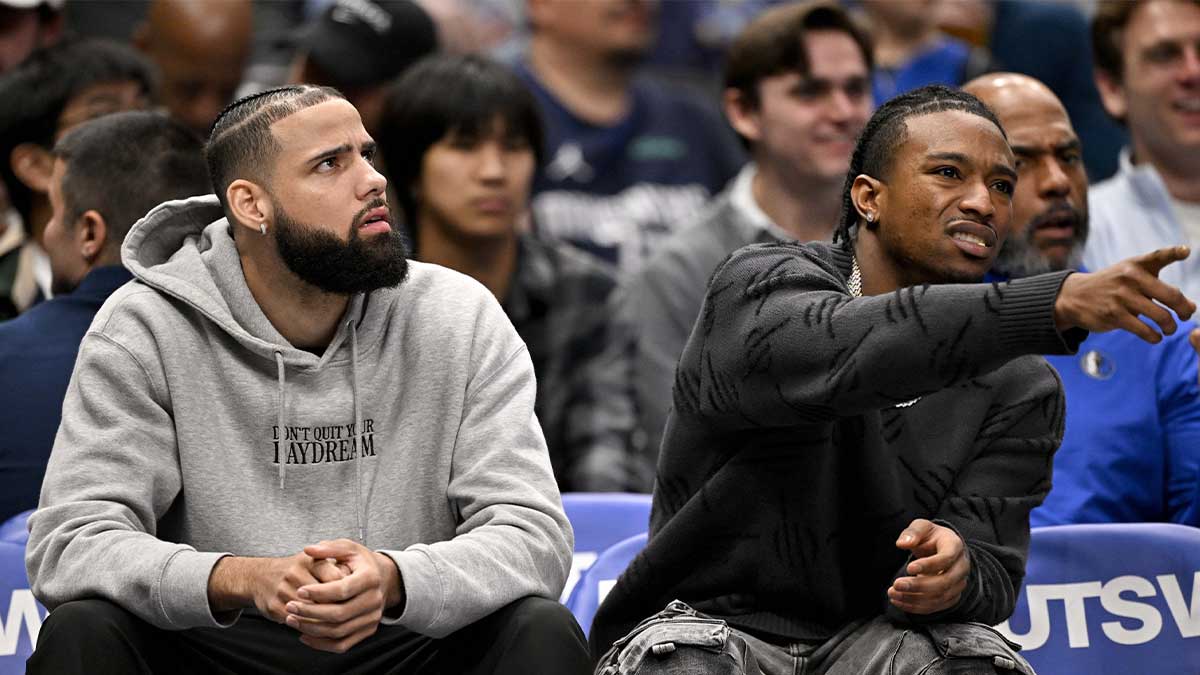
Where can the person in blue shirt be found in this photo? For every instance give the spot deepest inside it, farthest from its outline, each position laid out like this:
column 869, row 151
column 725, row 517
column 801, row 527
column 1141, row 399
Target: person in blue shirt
column 911, row 51
column 627, row 159
column 1131, row 449
column 106, row 175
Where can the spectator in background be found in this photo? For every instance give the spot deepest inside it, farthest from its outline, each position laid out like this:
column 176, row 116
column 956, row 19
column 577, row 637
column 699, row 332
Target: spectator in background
column 359, row 47
column 1131, row 448
column 54, row 90
column 626, row 160
column 1044, row 41
column 798, row 91
column 911, row 51
column 107, row 174
column 464, row 138
column 200, row 48
column 27, row 25
column 1147, row 58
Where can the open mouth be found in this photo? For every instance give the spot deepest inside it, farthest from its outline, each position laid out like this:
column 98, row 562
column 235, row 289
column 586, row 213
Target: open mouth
column 1059, row 226
column 973, row 238
column 1190, row 104
column 377, row 219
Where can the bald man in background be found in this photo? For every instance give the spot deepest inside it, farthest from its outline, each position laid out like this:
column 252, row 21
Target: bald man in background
column 200, row 48
column 1132, row 443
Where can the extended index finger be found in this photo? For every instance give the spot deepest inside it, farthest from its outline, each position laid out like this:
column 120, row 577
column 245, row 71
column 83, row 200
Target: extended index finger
column 1154, row 261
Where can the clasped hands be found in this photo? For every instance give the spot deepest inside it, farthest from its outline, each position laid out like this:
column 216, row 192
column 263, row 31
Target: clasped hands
column 334, row 592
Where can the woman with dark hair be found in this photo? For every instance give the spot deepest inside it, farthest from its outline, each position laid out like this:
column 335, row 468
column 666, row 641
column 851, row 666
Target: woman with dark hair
column 462, row 138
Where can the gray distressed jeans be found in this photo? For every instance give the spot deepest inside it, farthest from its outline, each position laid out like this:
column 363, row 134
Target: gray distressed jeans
column 680, row 640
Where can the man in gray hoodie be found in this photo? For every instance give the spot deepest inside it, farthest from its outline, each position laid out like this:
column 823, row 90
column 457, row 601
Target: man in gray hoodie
column 283, row 416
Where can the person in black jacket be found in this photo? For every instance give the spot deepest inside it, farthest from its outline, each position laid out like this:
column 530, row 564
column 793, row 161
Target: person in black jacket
column 860, row 430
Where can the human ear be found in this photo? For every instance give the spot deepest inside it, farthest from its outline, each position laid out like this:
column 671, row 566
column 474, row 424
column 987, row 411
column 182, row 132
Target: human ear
column 870, row 199
column 32, row 165
column 1112, row 94
column 91, row 234
column 249, row 205
column 742, row 115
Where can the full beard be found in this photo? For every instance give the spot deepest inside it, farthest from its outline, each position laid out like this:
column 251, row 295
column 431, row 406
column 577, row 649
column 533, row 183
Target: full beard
column 1020, row 257
column 356, row 266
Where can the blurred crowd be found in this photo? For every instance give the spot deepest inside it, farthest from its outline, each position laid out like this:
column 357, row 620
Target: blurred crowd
column 638, row 145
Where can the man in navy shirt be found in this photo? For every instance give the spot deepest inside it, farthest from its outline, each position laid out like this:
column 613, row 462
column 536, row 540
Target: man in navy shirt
column 1131, row 449
column 627, row 160
column 107, row 174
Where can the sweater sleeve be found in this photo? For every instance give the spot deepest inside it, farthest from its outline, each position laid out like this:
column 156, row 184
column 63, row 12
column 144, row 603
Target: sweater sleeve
column 113, row 474
column 513, row 539
column 990, row 499
column 781, row 342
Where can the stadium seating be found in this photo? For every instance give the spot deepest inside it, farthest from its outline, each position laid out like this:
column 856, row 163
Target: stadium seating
column 598, row 580
column 601, row 519
column 20, row 615
column 14, row 530
column 1118, row 598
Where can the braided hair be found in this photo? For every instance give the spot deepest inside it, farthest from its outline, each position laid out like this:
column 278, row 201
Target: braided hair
column 885, row 133
column 240, row 144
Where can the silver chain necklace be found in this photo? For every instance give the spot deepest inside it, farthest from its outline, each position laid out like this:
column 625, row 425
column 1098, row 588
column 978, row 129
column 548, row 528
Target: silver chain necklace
column 855, row 281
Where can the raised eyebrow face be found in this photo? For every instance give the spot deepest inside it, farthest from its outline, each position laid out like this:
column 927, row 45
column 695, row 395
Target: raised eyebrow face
column 367, row 145
column 963, row 160
column 1031, row 150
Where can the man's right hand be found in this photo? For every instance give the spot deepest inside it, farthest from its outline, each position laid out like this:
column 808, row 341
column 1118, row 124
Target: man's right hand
column 1115, row 296
column 268, row 584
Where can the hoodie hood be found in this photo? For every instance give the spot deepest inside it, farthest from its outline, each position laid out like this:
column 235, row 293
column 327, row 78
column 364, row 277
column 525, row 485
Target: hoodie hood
column 185, row 249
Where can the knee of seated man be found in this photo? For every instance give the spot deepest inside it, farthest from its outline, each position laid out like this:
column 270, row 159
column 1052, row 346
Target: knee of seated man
column 956, row 649
column 534, row 618
column 93, row 619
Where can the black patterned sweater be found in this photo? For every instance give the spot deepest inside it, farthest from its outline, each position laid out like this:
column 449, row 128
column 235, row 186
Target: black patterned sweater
column 791, row 461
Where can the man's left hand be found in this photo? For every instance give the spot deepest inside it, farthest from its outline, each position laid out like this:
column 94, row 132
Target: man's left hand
column 939, row 569
column 337, row 615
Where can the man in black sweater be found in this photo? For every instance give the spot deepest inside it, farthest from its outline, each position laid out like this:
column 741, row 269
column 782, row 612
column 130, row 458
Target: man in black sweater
column 847, row 473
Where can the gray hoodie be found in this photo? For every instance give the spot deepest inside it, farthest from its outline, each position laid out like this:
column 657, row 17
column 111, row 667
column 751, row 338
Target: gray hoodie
column 192, row 430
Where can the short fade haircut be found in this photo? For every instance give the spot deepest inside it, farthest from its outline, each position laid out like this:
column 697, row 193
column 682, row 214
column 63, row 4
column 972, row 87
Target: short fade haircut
column 241, row 145
column 124, row 164
column 886, row 131
column 34, row 94
column 774, row 43
column 450, row 94
column 1108, row 26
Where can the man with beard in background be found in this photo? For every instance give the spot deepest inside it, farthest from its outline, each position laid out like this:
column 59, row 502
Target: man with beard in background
column 282, row 414
column 1132, row 441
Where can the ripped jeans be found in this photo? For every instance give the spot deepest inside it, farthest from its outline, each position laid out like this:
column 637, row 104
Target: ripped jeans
column 680, row 640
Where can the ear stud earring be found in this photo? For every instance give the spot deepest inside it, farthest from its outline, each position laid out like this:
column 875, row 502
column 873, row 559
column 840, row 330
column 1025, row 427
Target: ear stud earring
column 262, row 227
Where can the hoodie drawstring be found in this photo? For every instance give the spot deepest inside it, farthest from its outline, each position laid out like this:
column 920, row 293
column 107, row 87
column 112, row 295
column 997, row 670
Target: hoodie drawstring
column 360, row 514
column 282, row 430
column 358, row 432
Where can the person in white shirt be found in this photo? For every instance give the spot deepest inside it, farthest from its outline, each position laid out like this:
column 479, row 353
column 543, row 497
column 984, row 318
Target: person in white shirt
column 1147, row 57
column 798, row 92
